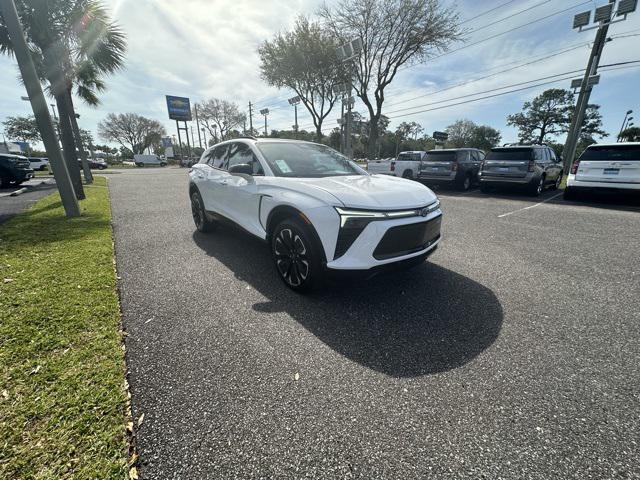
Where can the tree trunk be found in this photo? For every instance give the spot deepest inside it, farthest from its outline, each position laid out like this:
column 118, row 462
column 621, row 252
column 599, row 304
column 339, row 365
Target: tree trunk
column 86, row 169
column 373, row 137
column 69, row 146
column 319, row 132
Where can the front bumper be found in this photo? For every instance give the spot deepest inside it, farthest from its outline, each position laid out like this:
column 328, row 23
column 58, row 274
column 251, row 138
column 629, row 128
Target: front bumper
column 22, row 174
column 364, row 252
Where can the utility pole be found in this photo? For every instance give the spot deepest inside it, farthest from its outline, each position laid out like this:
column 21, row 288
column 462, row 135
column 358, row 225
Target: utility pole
column 603, row 15
column 342, row 128
column 195, row 108
column 347, row 142
column 40, row 110
column 250, row 119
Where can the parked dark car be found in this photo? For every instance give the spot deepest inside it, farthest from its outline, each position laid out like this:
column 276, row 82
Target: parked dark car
column 458, row 167
column 14, row 169
column 95, row 164
column 532, row 167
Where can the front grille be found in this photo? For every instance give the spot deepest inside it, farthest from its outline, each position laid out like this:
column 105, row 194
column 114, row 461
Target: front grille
column 407, row 239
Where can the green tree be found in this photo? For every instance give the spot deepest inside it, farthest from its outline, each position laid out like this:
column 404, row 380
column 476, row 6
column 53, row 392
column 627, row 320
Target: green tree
column 631, row 134
column 72, row 42
column 465, row 133
column 132, row 131
column 304, row 60
column 394, row 33
column 22, row 128
column 549, row 115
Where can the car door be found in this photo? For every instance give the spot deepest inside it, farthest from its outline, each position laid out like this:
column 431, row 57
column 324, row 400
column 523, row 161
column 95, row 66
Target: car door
column 240, row 191
column 215, row 175
column 556, row 165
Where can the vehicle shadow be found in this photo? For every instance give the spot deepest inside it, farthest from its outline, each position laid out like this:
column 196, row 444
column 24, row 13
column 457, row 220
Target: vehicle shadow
column 422, row 321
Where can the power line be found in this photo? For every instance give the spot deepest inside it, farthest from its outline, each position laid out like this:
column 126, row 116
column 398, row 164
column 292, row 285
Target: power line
column 502, row 93
column 510, row 16
column 487, row 12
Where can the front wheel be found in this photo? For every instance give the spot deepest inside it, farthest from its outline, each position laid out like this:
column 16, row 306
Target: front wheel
column 465, row 183
column 557, row 183
column 296, row 256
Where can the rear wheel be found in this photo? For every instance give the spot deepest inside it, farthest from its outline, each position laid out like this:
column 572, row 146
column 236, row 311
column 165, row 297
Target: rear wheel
column 484, row 188
column 139, row 164
column 556, row 185
column 296, row 255
column 408, row 174
column 465, row 183
column 203, row 224
column 536, row 187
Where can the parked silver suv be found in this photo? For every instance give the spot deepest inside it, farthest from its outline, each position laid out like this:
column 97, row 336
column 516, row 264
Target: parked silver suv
column 533, row 167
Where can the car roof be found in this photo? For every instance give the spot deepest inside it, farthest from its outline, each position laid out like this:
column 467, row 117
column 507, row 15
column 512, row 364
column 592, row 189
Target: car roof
column 620, row 144
column 12, row 155
column 451, row 149
column 253, row 140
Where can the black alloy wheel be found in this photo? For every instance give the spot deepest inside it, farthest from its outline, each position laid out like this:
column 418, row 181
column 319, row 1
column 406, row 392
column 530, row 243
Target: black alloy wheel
column 295, row 255
column 199, row 216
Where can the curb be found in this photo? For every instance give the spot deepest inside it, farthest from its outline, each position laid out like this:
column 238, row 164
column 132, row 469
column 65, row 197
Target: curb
column 18, row 192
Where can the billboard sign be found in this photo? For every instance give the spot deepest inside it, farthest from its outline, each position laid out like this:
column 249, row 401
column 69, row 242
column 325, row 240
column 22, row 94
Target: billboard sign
column 166, row 142
column 440, row 136
column 179, row 108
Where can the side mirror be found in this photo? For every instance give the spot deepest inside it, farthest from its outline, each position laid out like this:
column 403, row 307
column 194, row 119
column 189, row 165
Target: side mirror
column 241, row 168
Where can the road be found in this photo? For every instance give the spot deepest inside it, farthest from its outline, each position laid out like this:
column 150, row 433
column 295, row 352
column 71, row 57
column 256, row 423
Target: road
column 12, row 205
column 512, row 353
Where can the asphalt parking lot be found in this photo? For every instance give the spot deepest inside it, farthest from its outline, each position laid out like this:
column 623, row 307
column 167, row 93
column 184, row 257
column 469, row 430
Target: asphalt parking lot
column 512, row 353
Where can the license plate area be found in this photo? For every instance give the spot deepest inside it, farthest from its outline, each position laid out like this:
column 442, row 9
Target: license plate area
column 611, row 171
column 407, row 239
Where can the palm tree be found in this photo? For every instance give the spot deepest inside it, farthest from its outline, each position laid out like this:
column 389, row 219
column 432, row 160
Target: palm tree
column 73, row 42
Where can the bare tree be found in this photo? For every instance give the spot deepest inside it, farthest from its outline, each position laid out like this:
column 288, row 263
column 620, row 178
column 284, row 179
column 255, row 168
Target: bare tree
column 393, row 33
column 131, row 130
column 304, row 60
column 220, row 117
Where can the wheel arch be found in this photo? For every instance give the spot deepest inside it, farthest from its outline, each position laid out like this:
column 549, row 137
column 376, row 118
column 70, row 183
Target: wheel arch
column 282, row 212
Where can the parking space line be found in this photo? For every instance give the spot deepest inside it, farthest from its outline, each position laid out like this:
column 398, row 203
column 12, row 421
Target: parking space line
column 530, row 206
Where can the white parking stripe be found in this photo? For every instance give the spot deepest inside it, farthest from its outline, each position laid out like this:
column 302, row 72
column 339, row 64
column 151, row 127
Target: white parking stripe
column 530, row 206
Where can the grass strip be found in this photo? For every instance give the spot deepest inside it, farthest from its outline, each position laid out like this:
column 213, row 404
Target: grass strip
column 62, row 394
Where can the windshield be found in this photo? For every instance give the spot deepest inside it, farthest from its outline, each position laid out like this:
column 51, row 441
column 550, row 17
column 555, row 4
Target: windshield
column 441, row 156
column 510, row 154
column 306, row 160
column 612, row 153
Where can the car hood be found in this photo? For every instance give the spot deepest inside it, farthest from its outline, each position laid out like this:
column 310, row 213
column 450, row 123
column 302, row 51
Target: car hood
column 380, row 192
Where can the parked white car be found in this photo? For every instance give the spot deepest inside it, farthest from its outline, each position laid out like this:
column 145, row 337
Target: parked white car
column 39, row 163
column 612, row 166
column 142, row 160
column 319, row 211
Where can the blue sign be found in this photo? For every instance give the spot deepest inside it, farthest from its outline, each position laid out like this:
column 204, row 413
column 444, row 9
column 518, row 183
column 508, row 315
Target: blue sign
column 166, row 142
column 179, row 108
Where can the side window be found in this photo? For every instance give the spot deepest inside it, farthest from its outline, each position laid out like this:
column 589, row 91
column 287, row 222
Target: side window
column 537, row 155
column 207, row 155
column 552, row 155
column 241, row 153
column 481, row 155
column 474, row 156
column 463, row 156
column 217, row 156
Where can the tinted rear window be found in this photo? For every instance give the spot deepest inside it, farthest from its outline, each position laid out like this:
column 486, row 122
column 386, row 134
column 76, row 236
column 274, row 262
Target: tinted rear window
column 510, row 154
column 410, row 157
column 622, row 152
column 441, row 156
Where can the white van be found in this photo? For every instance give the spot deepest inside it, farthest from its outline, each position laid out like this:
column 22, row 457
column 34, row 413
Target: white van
column 606, row 166
column 143, row 160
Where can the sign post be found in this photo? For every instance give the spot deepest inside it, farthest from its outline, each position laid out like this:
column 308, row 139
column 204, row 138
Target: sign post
column 179, row 109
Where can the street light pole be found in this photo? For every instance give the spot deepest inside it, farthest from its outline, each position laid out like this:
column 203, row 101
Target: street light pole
column 204, row 134
column 295, row 101
column 603, row 16
column 195, row 107
column 40, row 110
column 265, row 112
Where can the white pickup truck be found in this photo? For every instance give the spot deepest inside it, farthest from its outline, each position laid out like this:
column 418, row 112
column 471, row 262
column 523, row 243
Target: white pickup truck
column 407, row 165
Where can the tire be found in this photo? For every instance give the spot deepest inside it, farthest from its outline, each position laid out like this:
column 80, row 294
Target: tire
column 139, row 164
column 203, row 224
column 536, row 188
column 484, row 188
column 408, row 174
column 5, row 180
column 556, row 185
column 465, row 183
column 163, row 164
column 296, row 255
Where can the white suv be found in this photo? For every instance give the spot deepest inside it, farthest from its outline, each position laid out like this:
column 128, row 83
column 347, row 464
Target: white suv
column 614, row 166
column 318, row 210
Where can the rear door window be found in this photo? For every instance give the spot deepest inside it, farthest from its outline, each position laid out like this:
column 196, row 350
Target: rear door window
column 612, row 153
column 442, row 156
column 410, row 157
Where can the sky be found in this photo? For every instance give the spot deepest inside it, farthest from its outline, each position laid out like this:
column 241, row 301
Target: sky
column 202, row 49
